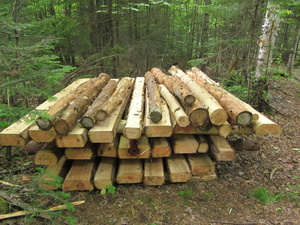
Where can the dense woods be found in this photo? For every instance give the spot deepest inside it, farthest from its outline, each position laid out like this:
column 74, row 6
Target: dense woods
column 47, row 43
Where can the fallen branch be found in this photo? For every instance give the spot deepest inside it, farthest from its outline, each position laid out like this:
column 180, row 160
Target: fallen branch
column 8, row 184
column 24, row 213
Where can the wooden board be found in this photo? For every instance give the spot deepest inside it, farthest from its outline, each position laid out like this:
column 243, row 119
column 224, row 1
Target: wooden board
column 17, row 133
column 200, row 164
column 154, row 172
column 221, row 149
column 184, row 143
column 105, row 131
column 77, row 138
column 205, row 177
column 130, row 149
column 134, row 127
column 79, row 176
column 60, row 169
column 105, row 173
column 161, row 129
column 178, row 168
column 49, row 154
column 87, row 152
column 108, row 149
column 160, row 147
column 190, row 129
column 130, row 171
column 38, row 135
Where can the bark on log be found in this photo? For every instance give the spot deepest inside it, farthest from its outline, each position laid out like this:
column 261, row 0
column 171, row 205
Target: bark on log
column 65, row 123
column 175, row 86
column 179, row 114
column 154, row 112
column 115, row 99
column 238, row 113
column 60, row 106
column 217, row 114
column 88, row 120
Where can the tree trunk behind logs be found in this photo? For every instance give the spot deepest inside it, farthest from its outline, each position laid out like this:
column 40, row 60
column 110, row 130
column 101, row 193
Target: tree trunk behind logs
column 89, row 119
column 175, row 86
column 65, row 123
column 115, row 99
column 234, row 109
column 154, row 113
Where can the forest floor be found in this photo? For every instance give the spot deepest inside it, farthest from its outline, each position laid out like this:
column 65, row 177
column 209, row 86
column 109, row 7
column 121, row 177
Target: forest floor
column 227, row 200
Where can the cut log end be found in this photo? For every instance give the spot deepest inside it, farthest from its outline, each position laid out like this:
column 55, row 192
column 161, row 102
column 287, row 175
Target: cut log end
column 244, row 118
column 199, row 117
column 61, row 127
column 87, row 122
column 183, row 121
column 218, row 117
column 189, row 99
column 44, row 124
column 101, row 115
column 155, row 116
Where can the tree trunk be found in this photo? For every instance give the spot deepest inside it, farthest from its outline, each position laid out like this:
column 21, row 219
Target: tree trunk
column 234, row 109
column 88, row 120
column 154, row 112
column 115, row 99
column 65, row 123
column 293, row 53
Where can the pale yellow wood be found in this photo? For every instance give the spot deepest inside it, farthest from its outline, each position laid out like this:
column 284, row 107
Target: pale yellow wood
column 105, row 131
column 85, row 152
column 142, row 150
column 184, row 143
column 161, row 129
column 241, row 130
column 79, row 176
column 49, row 154
column 265, row 126
column 109, row 149
column 204, row 177
column 193, row 130
column 17, row 133
column 203, row 144
column 51, row 172
column 38, row 135
column 154, row 172
column 176, row 109
column 225, row 129
column 77, row 138
column 130, row 171
column 178, row 168
column 217, row 114
column 221, row 149
column 105, row 173
column 134, row 126
column 200, row 164
column 160, row 147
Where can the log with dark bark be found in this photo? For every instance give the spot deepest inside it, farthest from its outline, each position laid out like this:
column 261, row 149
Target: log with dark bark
column 88, row 120
column 175, row 86
column 65, row 123
column 237, row 112
column 115, row 99
column 153, row 95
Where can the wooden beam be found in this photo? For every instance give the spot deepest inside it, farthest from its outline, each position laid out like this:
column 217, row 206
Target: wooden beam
column 200, row 164
column 160, row 147
column 86, row 152
column 49, row 154
column 178, row 168
column 130, row 171
column 109, row 149
column 17, row 133
column 130, row 149
column 77, row 138
column 154, row 172
column 105, row 173
column 105, row 131
column 79, row 177
column 134, row 126
column 184, row 143
column 38, row 135
column 221, row 149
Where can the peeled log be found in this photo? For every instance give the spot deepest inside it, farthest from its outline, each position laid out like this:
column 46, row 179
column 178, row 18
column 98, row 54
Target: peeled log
column 217, row 114
column 179, row 114
column 153, row 95
column 88, row 120
column 175, row 86
column 115, row 99
column 65, row 123
column 197, row 113
column 238, row 113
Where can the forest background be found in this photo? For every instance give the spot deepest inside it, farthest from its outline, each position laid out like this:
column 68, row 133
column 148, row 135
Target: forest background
column 45, row 44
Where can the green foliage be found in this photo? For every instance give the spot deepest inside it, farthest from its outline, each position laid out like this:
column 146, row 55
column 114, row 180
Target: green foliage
column 186, row 193
column 111, row 189
column 263, row 195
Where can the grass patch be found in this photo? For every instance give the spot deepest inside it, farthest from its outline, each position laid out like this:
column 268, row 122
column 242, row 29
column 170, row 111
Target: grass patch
column 263, row 195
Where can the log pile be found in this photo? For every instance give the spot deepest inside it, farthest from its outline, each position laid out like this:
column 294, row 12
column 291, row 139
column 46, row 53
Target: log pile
column 150, row 130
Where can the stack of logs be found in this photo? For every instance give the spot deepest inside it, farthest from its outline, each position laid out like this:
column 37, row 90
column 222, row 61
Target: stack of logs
column 136, row 130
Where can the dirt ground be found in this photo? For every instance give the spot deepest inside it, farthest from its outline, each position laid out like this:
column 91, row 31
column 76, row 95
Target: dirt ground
column 227, row 200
